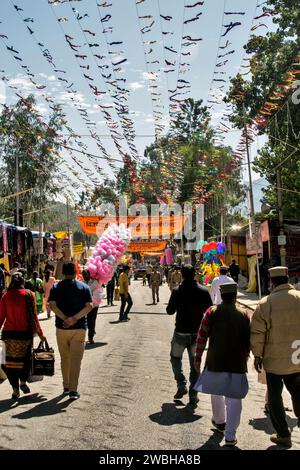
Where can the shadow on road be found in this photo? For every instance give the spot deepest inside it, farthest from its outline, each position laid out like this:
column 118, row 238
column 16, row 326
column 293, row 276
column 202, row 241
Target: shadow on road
column 47, row 408
column 276, row 447
column 136, row 313
column 97, row 344
column 213, row 443
column 9, row 404
column 170, row 415
column 264, row 424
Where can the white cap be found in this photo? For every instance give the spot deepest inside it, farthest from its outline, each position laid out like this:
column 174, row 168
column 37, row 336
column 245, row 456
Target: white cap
column 278, row 271
column 228, row 288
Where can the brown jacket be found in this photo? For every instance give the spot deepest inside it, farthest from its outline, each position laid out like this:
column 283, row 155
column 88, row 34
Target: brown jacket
column 275, row 331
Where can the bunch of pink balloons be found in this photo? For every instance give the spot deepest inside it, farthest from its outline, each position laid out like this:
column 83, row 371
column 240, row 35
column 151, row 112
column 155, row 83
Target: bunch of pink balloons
column 110, row 247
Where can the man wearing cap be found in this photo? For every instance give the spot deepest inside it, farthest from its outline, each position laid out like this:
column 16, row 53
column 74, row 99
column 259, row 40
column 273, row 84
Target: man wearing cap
column 275, row 344
column 228, row 328
column 155, row 282
column 215, row 286
column 189, row 301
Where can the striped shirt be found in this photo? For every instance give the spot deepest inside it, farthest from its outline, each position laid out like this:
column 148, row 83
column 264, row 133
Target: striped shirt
column 203, row 334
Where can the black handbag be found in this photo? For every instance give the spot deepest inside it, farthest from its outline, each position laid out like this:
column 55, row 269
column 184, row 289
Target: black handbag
column 43, row 360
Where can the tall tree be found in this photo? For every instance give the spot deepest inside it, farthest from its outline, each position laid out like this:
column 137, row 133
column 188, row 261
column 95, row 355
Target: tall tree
column 271, row 57
column 36, row 144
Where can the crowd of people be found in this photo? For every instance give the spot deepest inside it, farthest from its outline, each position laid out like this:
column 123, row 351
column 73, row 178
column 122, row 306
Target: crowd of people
column 272, row 334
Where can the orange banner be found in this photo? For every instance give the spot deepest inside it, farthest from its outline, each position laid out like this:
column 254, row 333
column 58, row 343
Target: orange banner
column 140, row 226
column 147, row 245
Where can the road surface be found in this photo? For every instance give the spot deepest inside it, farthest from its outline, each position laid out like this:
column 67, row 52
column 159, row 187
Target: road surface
column 127, row 390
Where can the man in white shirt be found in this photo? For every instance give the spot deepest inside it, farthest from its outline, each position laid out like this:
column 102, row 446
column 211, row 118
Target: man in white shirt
column 217, row 282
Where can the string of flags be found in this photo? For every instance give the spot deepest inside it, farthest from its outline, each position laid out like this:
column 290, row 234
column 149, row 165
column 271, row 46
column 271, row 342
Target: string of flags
column 102, row 60
column 72, row 94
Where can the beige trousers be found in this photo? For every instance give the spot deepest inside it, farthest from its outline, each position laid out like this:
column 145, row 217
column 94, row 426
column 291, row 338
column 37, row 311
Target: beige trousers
column 71, row 348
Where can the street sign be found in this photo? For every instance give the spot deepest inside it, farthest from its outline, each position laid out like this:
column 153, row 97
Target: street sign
column 281, row 240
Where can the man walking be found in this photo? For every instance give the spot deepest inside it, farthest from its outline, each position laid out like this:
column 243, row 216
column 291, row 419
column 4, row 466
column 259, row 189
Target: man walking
column 155, row 282
column 92, row 315
column 216, row 283
column 228, row 329
column 234, row 271
column 275, row 343
column 124, row 294
column 71, row 301
column 110, row 290
column 189, row 301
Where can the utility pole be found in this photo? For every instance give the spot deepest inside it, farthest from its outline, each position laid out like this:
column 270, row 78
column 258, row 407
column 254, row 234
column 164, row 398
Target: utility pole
column 69, row 249
column 253, row 231
column 222, row 225
column 280, row 217
column 41, row 229
column 17, row 190
column 68, row 218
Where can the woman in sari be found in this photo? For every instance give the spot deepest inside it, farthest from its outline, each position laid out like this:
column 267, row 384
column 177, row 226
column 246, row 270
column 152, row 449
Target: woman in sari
column 18, row 316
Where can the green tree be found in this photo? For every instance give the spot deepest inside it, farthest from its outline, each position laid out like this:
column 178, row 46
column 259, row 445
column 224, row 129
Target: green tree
column 191, row 122
column 36, row 143
column 272, row 56
column 187, row 163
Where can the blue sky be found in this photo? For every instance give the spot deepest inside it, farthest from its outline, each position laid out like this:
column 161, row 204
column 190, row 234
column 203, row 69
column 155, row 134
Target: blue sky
column 126, row 28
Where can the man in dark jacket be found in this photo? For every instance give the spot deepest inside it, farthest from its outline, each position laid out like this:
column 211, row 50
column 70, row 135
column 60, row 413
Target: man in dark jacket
column 189, row 301
column 234, row 271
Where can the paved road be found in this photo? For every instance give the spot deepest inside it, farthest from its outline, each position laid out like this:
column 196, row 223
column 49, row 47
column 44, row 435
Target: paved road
column 127, row 392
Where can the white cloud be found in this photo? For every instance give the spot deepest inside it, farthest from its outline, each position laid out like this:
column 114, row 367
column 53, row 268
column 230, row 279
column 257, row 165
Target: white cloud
column 194, row 52
column 136, row 85
column 150, row 75
column 2, row 93
column 43, row 75
column 22, row 82
column 51, row 78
